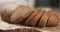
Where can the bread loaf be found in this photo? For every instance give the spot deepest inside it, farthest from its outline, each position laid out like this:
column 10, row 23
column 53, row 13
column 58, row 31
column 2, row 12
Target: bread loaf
column 15, row 13
column 11, row 12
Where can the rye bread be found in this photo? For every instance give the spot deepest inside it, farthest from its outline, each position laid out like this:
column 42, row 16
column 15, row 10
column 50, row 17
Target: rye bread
column 7, row 10
column 27, row 22
column 35, row 21
column 44, row 19
column 20, row 14
column 53, row 20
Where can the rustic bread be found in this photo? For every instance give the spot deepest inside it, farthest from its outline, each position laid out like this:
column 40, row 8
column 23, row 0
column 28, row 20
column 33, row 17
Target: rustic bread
column 16, row 13
column 27, row 22
column 36, row 19
column 53, row 20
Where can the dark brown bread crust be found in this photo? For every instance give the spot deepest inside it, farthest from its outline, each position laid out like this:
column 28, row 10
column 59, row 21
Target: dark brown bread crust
column 44, row 19
column 31, row 17
column 36, row 18
column 53, row 20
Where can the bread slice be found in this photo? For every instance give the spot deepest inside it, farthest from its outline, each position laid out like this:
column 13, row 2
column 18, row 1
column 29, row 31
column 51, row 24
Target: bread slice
column 20, row 14
column 21, row 20
column 53, row 20
column 44, row 19
column 36, row 18
column 31, row 17
column 7, row 10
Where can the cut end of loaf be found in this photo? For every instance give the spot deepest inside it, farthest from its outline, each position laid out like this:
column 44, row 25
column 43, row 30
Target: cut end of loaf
column 21, row 11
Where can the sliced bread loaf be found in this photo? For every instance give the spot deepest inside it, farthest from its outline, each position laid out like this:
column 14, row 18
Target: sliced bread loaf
column 35, row 21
